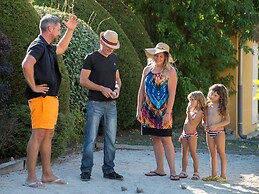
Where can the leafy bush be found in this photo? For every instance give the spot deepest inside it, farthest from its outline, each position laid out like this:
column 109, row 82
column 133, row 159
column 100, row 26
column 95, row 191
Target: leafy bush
column 131, row 25
column 5, row 69
column 64, row 90
column 19, row 22
column 20, row 28
column 65, row 133
column 15, row 131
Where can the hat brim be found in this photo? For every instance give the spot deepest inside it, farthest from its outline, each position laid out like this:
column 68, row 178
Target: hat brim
column 150, row 52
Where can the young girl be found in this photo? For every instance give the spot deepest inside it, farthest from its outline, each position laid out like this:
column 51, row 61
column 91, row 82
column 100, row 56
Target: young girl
column 154, row 106
column 216, row 118
column 188, row 139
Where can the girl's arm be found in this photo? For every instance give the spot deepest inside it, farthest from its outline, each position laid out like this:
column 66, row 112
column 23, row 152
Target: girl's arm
column 194, row 121
column 220, row 125
column 205, row 121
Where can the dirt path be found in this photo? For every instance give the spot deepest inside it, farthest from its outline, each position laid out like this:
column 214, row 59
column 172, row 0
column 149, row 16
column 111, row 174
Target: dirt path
column 243, row 175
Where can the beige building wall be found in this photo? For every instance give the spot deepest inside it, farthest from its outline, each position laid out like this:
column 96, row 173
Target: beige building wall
column 233, row 96
column 233, row 100
column 247, row 96
column 248, row 127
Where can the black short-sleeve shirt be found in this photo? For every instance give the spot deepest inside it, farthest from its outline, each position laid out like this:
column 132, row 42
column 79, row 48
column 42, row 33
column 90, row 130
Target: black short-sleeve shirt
column 46, row 70
column 103, row 72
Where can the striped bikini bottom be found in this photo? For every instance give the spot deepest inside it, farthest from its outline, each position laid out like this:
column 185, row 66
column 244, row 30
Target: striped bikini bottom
column 215, row 133
column 187, row 135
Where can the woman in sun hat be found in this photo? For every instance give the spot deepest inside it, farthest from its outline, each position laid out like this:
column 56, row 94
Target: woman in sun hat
column 155, row 102
column 100, row 75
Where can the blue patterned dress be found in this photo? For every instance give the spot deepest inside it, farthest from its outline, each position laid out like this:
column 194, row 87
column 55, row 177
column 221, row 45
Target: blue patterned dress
column 155, row 105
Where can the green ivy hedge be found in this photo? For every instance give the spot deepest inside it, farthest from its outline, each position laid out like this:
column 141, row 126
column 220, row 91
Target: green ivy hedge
column 19, row 21
column 131, row 25
column 15, row 131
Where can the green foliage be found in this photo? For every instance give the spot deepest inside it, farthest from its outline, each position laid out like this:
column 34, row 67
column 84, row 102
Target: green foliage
column 131, row 25
column 15, row 131
column 129, row 64
column 51, row 3
column 64, row 133
column 5, row 69
column 256, row 33
column 238, row 18
column 19, row 21
column 64, row 90
column 20, row 28
column 198, row 33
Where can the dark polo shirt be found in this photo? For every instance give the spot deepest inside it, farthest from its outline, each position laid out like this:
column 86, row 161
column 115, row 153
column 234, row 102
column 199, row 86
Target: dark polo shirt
column 103, row 72
column 46, row 70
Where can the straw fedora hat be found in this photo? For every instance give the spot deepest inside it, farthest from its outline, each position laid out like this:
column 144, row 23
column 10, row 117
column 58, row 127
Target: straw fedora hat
column 160, row 48
column 110, row 39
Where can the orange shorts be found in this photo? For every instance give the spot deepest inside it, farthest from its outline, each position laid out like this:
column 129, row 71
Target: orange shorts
column 44, row 112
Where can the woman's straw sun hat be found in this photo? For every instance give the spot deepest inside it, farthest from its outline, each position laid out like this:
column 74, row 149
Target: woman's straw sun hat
column 160, row 48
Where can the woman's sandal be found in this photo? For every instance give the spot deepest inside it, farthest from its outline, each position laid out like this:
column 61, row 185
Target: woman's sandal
column 154, row 173
column 174, row 177
column 195, row 176
column 183, row 175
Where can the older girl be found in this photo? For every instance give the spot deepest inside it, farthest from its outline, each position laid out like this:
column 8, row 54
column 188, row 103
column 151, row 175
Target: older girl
column 216, row 118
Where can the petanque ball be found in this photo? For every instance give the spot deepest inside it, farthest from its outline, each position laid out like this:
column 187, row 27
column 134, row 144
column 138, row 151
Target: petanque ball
column 123, row 188
column 184, row 186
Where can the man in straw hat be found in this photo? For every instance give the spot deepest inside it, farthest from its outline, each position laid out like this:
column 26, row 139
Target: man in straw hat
column 101, row 76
